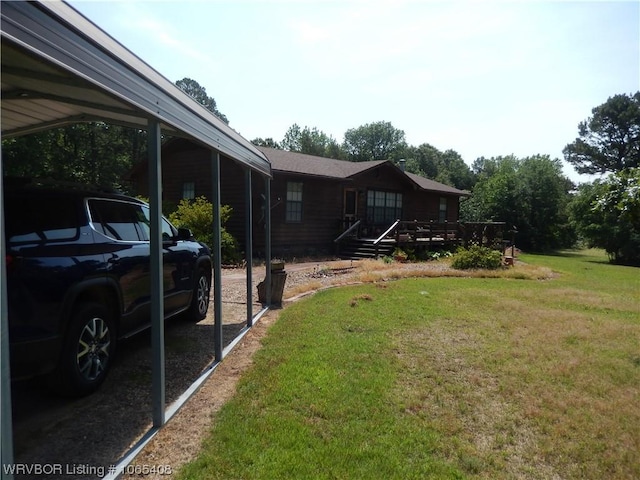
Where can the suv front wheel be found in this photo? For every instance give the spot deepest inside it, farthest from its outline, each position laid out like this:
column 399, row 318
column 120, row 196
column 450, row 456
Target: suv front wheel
column 88, row 351
column 200, row 297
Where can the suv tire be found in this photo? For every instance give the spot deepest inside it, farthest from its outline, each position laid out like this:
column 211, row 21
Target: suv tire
column 201, row 295
column 88, row 351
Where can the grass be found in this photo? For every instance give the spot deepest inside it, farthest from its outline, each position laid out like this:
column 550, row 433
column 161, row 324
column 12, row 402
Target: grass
column 445, row 378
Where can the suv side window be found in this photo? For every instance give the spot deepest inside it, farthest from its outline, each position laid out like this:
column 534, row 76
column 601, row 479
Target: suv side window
column 29, row 219
column 119, row 220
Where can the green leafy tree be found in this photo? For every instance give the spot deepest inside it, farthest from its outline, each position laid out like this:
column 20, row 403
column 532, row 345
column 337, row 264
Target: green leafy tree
column 530, row 194
column 199, row 94
column 311, row 141
column 484, row 167
column 622, row 196
column 197, row 215
column 266, row 142
column 94, row 153
column 445, row 167
column 454, row 171
column 424, row 160
column 375, row 141
column 547, row 193
column 606, row 214
column 496, row 193
column 609, row 140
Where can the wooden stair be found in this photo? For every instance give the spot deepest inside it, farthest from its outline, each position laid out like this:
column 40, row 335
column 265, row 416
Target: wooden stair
column 359, row 248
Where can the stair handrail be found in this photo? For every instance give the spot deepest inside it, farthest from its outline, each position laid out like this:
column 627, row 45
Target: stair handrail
column 347, row 232
column 387, row 232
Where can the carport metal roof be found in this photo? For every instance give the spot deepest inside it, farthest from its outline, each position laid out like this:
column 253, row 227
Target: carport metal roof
column 60, row 68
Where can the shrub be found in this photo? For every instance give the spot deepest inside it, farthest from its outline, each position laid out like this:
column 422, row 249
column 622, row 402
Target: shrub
column 477, row 257
column 197, row 215
column 400, row 255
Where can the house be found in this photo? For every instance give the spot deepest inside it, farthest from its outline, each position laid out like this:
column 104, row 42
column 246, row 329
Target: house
column 313, row 199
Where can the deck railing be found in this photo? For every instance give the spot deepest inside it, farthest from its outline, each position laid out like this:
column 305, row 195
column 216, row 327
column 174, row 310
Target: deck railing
column 430, row 234
column 348, row 231
column 387, row 232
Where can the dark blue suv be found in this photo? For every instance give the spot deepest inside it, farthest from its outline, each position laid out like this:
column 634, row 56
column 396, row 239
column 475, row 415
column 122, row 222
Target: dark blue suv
column 78, row 280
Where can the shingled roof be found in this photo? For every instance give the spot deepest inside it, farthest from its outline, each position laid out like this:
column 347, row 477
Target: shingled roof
column 299, row 163
column 294, row 162
column 433, row 186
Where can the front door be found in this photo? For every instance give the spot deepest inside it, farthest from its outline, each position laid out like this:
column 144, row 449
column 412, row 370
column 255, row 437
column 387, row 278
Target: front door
column 350, row 206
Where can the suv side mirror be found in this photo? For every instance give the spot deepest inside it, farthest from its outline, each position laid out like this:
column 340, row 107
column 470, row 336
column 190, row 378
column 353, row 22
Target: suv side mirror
column 185, row 234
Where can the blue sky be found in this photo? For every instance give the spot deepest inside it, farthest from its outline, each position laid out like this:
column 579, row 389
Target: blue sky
column 483, row 78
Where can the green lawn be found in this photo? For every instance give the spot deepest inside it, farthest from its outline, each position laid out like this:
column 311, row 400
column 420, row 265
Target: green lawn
column 444, row 378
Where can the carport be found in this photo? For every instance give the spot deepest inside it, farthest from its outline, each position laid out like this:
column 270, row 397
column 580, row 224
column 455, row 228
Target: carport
column 59, row 68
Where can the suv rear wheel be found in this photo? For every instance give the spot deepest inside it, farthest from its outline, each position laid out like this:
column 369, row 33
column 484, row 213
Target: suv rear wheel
column 88, row 351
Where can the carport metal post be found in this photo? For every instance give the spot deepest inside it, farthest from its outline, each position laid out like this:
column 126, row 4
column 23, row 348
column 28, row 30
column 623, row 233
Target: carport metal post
column 155, row 269
column 249, row 245
column 217, row 257
column 267, row 240
column 6, row 424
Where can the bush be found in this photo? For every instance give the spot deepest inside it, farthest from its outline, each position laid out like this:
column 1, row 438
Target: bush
column 477, row 257
column 197, row 215
column 400, row 255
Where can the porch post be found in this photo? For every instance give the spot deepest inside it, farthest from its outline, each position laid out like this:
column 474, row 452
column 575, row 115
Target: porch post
column 217, row 257
column 249, row 245
column 155, row 270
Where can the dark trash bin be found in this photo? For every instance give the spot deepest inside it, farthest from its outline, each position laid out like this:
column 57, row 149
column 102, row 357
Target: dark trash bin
column 278, row 278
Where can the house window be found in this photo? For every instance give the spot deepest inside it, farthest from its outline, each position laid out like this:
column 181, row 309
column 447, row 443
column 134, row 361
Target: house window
column 383, row 207
column 294, row 202
column 442, row 212
column 189, row 190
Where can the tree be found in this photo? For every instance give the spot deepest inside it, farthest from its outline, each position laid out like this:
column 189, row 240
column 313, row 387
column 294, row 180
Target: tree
column 311, row 141
column 547, row 192
column 454, row 171
column 484, row 167
column 423, row 160
column 622, row 196
column 530, row 194
column 609, row 140
column 374, row 141
column 445, row 167
column 94, row 153
column 606, row 214
column 199, row 94
column 266, row 142
column 496, row 195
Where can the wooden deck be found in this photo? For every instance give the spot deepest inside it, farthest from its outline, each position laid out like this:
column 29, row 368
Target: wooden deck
column 421, row 236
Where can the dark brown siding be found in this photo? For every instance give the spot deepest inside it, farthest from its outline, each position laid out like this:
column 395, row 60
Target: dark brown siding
column 322, row 199
column 321, row 216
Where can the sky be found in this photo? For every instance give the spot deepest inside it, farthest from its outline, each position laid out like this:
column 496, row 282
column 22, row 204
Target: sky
column 483, row 78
